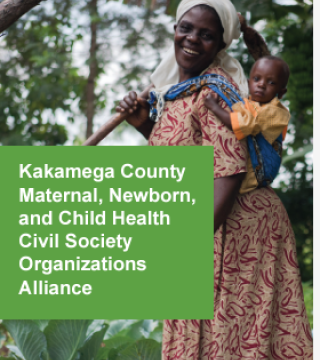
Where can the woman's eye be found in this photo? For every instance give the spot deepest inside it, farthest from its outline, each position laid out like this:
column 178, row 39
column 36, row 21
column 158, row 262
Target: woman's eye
column 206, row 36
column 184, row 27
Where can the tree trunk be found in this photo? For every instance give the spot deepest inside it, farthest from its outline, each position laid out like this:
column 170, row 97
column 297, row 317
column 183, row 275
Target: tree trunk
column 167, row 7
column 153, row 4
column 12, row 10
column 93, row 65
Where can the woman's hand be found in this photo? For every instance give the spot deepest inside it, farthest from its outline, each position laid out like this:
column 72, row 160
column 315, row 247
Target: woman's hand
column 138, row 111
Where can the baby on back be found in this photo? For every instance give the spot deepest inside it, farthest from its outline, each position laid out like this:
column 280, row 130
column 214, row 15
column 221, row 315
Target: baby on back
column 261, row 114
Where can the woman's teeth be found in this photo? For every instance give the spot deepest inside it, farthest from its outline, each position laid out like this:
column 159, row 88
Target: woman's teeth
column 189, row 51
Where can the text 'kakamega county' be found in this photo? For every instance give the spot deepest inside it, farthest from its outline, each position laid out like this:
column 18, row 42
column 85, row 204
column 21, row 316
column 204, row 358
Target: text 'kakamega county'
column 99, row 173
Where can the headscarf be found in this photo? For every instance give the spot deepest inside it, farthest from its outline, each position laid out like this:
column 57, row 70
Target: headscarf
column 167, row 73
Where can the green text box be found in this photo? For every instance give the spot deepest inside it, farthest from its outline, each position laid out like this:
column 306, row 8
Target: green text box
column 175, row 275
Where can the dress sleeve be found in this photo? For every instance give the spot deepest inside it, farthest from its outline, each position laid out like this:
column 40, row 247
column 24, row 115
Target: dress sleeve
column 230, row 154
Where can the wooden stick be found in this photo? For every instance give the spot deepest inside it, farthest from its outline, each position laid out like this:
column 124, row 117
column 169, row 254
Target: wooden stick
column 105, row 129
column 113, row 122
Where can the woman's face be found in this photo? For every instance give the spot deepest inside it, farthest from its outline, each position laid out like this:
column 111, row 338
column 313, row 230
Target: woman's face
column 197, row 41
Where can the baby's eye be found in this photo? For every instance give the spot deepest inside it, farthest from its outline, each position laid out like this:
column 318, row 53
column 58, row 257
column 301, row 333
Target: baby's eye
column 255, row 78
column 272, row 82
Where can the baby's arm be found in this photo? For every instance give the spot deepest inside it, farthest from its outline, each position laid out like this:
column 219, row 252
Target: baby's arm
column 242, row 121
column 246, row 119
column 211, row 101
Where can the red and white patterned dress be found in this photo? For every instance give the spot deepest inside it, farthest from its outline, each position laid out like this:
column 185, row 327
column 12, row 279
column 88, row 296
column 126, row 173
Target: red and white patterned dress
column 259, row 311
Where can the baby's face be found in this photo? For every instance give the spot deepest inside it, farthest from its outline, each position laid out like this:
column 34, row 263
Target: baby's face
column 266, row 80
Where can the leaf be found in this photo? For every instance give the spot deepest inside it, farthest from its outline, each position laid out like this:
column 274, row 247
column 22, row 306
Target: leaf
column 65, row 338
column 156, row 334
column 102, row 354
column 141, row 329
column 92, row 345
column 119, row 326
column 10, row 358
column 136, row 331
column 96, row 325
column 41, row 323
column 15, row 350
column 145, row 349
column 28, row 338
column 116, row 342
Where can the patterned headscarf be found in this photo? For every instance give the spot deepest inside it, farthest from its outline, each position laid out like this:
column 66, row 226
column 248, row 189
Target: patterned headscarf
column 167, row 73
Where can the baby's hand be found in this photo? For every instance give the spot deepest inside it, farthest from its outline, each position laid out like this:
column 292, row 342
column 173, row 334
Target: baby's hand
column 211, row 101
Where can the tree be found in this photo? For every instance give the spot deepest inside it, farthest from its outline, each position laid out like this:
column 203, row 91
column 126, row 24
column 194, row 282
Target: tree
column 11, row 11
column 36, row 75
column 39, row 77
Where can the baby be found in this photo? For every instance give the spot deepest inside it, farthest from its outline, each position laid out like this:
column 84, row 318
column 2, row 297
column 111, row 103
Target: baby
column 261, row 113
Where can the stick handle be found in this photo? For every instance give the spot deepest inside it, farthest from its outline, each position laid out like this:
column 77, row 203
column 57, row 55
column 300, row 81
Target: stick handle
column 105, row 129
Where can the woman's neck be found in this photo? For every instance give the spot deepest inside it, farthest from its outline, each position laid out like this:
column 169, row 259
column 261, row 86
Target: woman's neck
column 184, row 75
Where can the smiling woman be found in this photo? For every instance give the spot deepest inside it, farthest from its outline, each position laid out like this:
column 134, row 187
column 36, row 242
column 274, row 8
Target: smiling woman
column 259, row 311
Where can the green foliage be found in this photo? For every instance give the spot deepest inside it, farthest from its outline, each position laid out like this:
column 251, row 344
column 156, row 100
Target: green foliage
column 65, row 338
column 141, row 350
column 90, row 349
column 308, row 300
column 40, row 73
column 84, row 339
column 29, row 338
column 37, row 77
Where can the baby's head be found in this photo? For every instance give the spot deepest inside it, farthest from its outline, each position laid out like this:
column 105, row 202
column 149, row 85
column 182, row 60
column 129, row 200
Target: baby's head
column 268, row 79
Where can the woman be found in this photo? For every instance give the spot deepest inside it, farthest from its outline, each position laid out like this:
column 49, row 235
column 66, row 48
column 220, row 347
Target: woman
column 258, row 300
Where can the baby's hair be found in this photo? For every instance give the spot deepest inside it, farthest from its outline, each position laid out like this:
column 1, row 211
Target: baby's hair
column 285, row 67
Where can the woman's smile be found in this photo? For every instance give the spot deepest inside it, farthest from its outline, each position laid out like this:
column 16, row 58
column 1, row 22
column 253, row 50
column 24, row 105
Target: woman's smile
column 190, row 52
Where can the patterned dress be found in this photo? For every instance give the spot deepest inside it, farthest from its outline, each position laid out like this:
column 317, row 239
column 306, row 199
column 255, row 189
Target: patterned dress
column 259, row 311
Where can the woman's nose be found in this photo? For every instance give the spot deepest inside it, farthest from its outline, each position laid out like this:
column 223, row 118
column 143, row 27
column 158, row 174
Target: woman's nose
column 193, row 37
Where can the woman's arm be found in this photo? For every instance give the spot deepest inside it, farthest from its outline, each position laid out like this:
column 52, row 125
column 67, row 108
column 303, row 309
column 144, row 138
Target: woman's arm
column 226, row 190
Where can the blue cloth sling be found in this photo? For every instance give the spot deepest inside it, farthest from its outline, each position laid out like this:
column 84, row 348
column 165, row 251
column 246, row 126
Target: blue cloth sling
column 265, row 158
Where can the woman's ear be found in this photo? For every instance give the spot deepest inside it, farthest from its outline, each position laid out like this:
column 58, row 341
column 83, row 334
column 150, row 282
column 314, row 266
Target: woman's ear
column 281, row 93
